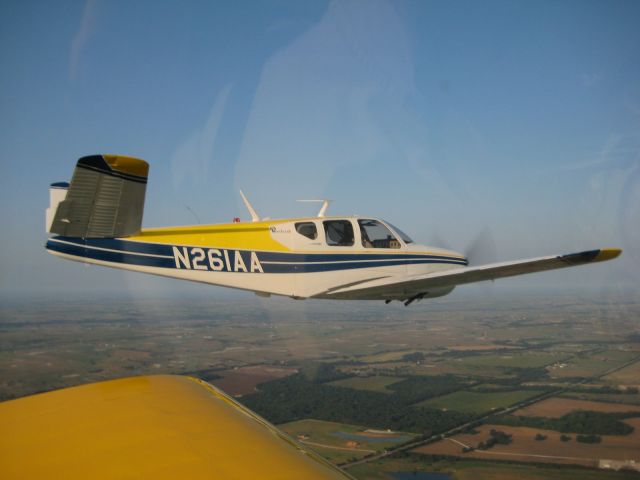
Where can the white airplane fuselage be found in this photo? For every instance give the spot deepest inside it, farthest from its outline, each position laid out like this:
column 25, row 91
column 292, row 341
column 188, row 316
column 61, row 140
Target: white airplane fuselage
column 97, row 218
column 271, row 257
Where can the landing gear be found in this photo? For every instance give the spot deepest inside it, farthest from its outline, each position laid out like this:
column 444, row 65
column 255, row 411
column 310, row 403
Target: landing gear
column 410, row 300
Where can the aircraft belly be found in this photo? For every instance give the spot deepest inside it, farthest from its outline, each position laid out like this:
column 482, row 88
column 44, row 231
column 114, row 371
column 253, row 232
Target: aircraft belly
column 315, row 284
column 428, row 268
column 388, row 294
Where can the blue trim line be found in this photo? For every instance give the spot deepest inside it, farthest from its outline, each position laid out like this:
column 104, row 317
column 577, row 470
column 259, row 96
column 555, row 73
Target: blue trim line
column 161, row 256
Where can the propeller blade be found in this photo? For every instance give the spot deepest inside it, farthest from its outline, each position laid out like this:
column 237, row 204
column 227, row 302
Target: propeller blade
column 482, row 249
column 437, row 241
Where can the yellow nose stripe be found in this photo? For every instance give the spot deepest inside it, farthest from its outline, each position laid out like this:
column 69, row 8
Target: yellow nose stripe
column 608, row 254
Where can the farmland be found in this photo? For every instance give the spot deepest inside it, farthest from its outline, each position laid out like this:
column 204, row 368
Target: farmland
column 332, row 370
column 590, row 364
column 628, row 376
column 243, row 380
column 511, row 360
column 552, row 449
column 625, row 398
column 476, row 402
column 474, row 469
column 556, row 407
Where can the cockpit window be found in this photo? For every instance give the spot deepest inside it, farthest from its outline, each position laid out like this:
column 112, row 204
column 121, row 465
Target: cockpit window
column 375, row 235
column 308, row 229
column 405, row 238
column 339, row 233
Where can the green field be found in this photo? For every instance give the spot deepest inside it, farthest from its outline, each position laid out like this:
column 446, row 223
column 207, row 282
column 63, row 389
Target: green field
column 592, row 365
column 377, row 383
column 385, row 356
column 625, row 398
column 515, row 360
column 476, row 402
column 330, row 439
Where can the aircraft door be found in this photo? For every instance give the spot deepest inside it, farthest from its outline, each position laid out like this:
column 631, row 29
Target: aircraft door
column 306, row 240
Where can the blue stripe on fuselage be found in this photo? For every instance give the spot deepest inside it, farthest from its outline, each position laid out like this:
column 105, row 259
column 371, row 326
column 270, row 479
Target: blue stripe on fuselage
column 163, row 256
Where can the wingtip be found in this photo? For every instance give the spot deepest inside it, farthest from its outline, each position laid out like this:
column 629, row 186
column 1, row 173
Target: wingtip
column 608, row 254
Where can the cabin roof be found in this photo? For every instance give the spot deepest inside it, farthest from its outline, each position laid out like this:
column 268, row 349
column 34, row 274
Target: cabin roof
column 249, row 225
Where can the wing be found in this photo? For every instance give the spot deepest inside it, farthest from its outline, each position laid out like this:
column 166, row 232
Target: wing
column 160, row 427
column 407, row 287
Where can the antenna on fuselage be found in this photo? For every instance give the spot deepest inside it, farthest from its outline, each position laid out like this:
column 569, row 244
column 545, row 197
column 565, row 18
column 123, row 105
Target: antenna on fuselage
column 192, row 213
column 254, row 215
column 323, row 208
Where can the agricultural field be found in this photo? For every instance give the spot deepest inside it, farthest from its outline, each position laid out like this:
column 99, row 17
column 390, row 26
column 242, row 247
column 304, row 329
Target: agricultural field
column 243, row 380
column 458, row 356
column 511, row 360
column 487, row 365
column 481, row 347
column 475, row 469
column 385, row 356
column 339, row 442
column 527, row 472
column 477, row 402
column 374, row 383
column 629, row 376
column 525, row 447
column 556, row 407
column 626, row 398
column 589, row 365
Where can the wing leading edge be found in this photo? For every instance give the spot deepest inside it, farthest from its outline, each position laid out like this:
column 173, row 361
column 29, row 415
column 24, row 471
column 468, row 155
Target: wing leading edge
column 416, row 286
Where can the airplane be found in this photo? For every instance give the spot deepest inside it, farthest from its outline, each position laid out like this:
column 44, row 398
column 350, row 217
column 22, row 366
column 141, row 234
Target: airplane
column 97, row 219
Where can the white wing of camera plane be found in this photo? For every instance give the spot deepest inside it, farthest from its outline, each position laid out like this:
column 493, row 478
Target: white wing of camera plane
column 98, row 219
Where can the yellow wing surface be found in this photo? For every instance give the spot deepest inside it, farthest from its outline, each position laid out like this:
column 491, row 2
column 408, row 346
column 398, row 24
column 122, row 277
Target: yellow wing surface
column 152, row 427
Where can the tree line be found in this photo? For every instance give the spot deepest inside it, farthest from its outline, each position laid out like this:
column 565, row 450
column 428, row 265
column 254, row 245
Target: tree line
column 580, row 421
column 297, row 397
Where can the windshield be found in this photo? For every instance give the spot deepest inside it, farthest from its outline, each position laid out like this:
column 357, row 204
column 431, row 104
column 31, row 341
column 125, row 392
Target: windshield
column 405, row 238
column 375, row 235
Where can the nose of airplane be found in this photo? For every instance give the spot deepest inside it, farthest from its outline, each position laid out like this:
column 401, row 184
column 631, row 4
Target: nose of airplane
column 442, row 252
column 454, row 254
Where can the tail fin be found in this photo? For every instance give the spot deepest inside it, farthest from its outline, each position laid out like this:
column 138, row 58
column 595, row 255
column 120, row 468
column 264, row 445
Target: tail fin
column 57, row 193
column 105, row 198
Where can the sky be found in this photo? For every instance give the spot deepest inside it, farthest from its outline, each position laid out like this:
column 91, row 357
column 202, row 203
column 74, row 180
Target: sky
column 520, row 119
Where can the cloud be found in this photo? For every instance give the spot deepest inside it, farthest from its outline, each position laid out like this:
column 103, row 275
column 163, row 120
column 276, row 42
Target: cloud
column 336, row 102
column 82, row 36
column 191, row 159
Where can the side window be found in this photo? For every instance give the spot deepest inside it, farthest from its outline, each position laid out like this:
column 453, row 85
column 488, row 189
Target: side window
column 339, row 233
column 307, row 229
column 375, row 235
